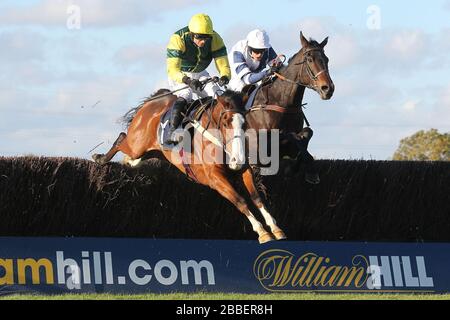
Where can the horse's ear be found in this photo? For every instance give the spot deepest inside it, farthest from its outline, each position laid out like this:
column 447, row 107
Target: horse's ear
column 303, row 40
column 324, row 43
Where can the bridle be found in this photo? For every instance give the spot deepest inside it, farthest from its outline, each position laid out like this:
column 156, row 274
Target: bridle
column 222, row 113
column 313, row 77
column 218, row 124
column 309, row 71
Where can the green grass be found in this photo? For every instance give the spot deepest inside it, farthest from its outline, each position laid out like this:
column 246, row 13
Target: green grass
column 226, row 296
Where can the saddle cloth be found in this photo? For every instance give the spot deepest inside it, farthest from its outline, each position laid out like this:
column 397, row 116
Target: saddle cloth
column 194, row 111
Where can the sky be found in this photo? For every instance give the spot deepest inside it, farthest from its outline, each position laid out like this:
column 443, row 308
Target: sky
column 69, row 69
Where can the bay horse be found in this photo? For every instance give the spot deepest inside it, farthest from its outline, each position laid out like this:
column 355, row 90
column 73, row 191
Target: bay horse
column 225, row 114
column 278, row 104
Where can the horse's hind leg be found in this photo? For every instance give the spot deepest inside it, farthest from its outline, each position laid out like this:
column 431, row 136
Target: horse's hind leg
column 249, row 183
column 224, row 187
column 105, row 158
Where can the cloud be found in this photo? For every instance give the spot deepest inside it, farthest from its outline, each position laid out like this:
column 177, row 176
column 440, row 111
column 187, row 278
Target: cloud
column 444, row 98
column 69, row 119
column 96, row 13
column 446, row 5
column 407, row 47
column 142, row 56
column 238, row 32
column 442, row 108
column 439, row 58
column 345, row 51
column 410, row 105
column 37, row 59
column 22, row 46
column 65, row 141
column 104, row 96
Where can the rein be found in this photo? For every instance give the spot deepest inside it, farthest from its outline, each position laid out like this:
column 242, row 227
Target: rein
column 274, row 107
column 205, row 133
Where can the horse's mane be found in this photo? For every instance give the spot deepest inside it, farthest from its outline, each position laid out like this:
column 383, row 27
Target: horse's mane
column 129, row 116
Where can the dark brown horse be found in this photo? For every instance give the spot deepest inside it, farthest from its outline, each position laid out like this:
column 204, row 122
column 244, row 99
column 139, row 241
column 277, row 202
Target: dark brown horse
column 225, row 115
column 278, row 105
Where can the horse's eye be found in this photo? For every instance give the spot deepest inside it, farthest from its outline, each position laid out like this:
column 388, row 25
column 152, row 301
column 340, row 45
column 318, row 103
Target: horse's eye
column 310, row 60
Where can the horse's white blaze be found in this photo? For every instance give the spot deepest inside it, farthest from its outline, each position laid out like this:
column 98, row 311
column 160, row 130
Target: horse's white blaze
column 270, row 221
column 237, row 158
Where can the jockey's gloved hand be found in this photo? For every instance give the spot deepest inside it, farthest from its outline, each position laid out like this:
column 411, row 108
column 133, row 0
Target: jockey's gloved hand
column 223, row 81
column 275, row 68
column 194, row 84
column 186, row 80
column 275, row 65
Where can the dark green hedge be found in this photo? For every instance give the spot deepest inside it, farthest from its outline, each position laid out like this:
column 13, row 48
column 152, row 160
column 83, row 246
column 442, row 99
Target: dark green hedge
column 356, row 200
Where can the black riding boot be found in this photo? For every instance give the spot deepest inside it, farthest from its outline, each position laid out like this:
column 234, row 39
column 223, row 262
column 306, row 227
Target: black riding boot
column 175, row 119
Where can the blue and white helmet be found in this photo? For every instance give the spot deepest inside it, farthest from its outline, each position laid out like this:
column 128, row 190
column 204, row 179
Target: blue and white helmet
column 258, row 39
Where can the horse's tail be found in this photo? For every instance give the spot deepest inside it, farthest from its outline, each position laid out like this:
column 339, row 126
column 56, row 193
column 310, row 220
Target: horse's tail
column 129, row 116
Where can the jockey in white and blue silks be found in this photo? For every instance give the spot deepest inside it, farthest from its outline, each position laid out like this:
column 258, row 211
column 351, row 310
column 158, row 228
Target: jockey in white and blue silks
column 249, row 59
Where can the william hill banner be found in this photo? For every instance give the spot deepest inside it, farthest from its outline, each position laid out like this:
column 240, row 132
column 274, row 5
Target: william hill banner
column 58, row 265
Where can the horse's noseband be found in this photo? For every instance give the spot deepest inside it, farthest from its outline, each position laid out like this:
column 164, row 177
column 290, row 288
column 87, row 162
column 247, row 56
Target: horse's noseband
column 309, row 71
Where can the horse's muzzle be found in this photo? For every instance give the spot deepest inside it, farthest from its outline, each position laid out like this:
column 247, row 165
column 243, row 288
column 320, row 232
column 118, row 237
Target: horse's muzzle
column 326, row 92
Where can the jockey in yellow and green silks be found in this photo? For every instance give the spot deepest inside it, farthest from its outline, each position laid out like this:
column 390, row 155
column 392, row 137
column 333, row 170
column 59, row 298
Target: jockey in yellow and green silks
column 189, row 52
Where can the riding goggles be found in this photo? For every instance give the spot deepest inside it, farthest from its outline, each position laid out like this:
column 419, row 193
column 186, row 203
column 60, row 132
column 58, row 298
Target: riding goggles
column 200, row 36
column 257, row 51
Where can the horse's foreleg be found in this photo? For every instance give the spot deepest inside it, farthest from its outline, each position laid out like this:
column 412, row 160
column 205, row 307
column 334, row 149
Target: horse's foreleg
column 221, row 184
column 249, row 183
column 105, row 158
column 303, row 156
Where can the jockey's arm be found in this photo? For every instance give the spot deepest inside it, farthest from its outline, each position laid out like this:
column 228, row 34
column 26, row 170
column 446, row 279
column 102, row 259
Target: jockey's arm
column 175, row 49
column 243, row 71
column 219, row 53
column 254, row 77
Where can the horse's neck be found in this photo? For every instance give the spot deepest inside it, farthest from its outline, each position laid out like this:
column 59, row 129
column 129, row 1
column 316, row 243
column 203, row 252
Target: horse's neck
column 210, row 117
column 283, row 93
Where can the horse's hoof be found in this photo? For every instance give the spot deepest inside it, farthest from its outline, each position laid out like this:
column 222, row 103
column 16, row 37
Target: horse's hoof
column 279, row 235
column 98, row 158
column 312, row 178
column 266, row 237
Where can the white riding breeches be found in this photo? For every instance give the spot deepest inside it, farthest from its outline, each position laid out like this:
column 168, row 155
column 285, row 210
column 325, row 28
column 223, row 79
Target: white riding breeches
column 188, row 94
